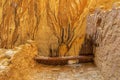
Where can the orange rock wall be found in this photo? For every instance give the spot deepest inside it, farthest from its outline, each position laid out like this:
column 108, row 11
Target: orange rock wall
column 57, row 25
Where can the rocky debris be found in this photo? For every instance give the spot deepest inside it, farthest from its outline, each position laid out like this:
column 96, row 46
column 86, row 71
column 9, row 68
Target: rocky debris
column 17, row 59
column 9, row 53
column 23, row 67
column 6, row 55
column 5, row 58
column 105, row 31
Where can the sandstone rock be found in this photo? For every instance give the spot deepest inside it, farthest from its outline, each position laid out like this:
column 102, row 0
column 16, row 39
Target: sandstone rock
column 22, row 61
column 39, row 20
column 107, row 37
column 65, row 20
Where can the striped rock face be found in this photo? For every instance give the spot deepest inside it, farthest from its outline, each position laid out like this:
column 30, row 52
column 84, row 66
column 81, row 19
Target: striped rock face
column 49, row 23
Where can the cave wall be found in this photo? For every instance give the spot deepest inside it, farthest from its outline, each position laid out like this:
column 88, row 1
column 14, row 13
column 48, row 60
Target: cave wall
column 57, row 26
column 105, row 31
column 47, row 22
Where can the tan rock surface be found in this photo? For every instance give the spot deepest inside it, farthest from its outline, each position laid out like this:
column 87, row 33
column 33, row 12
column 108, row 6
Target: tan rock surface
column 107, row 40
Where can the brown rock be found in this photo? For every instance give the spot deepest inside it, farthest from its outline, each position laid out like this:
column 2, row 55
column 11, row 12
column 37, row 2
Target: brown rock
column 106, row 36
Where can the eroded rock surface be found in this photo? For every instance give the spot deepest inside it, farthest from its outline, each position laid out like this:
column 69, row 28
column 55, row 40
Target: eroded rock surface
column 46, row 21
column 21, row 20
column 105, row 28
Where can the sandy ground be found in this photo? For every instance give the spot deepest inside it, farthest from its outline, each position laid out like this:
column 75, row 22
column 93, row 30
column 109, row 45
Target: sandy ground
column 69, row 72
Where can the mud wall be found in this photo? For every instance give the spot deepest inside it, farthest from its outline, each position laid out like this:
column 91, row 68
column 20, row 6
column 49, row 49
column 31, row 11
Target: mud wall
column 105, row 28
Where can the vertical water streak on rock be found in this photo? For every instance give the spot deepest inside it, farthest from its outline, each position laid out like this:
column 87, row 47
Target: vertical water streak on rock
column 21, row 20
column 8, row 24
column 37, row 16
